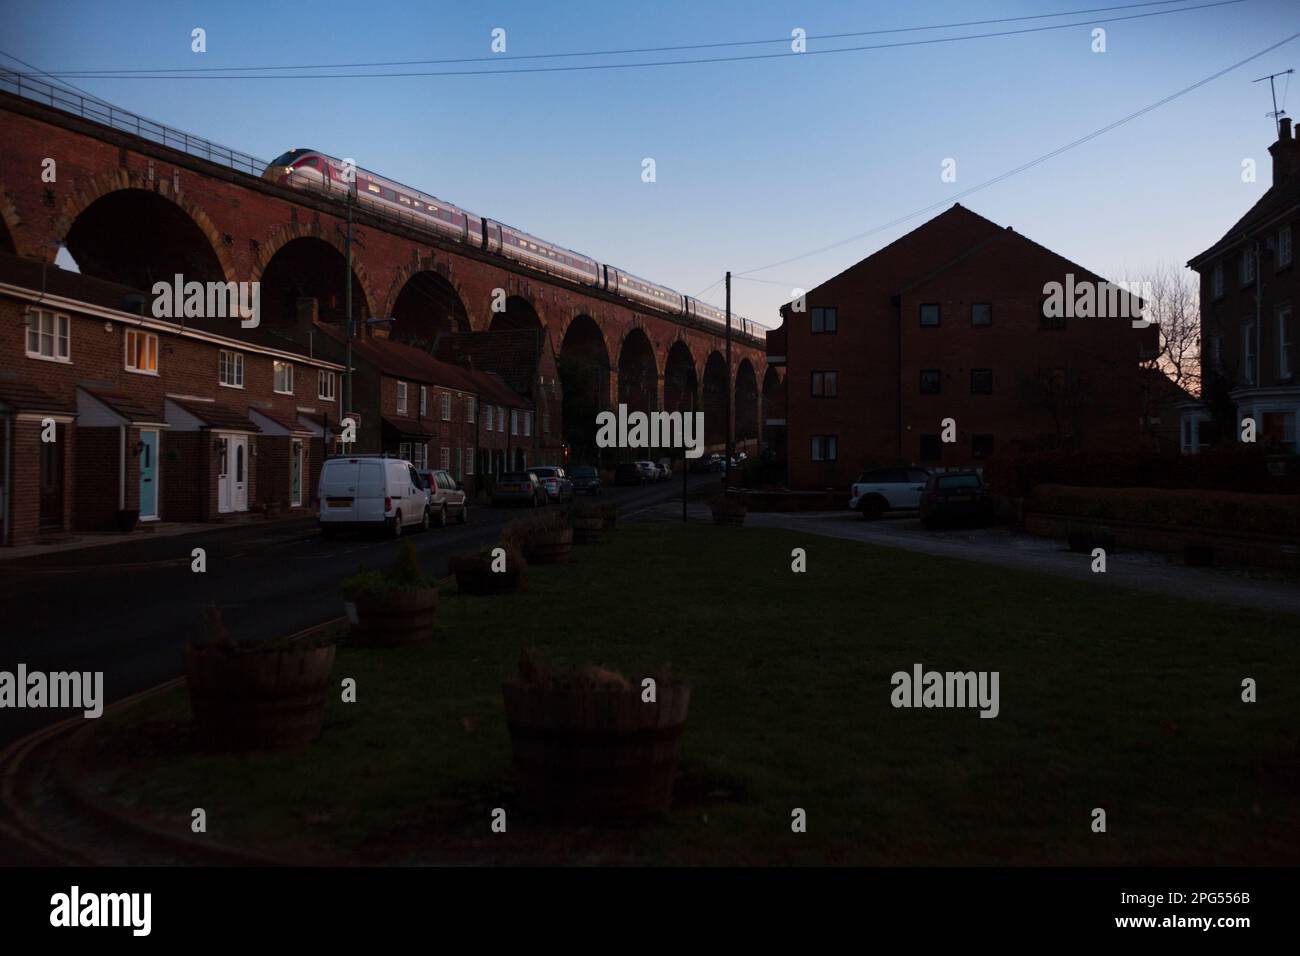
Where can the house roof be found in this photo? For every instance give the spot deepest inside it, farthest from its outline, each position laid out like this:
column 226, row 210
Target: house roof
column 23, row 397
column 217, row 416
column 1278, row 200
column 415, row 427
column 127, row 406
column 289, row 423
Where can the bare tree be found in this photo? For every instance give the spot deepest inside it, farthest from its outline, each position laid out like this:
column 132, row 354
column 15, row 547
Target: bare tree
column 1173, row 301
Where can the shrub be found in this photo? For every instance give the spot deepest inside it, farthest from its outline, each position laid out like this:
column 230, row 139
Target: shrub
column 1180, row 508
column 536, row 671
column 518, row 533
column 216, row 638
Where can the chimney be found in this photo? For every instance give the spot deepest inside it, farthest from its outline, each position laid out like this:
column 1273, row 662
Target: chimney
column 1285, row 152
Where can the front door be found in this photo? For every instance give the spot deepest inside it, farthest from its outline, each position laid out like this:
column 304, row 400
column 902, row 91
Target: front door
column 239, row 473
column 148, row 474
column 295, row 473
column 223, row 474
column 51, row 490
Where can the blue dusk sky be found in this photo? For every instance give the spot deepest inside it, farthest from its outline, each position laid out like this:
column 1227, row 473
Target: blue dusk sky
column 756, row 161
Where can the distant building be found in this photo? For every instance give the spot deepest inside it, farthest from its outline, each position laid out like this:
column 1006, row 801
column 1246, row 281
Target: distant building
column 950, row 332
column 1249, row 342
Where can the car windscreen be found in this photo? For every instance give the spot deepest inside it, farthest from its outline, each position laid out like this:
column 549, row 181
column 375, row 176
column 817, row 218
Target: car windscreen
column 949, row 482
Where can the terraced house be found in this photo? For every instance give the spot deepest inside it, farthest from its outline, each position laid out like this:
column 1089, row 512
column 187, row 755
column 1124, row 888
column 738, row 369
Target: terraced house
column 109, row 415
column 1249, row 362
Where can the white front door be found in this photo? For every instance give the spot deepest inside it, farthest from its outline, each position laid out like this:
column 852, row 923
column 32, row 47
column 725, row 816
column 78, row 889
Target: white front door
column 239, row 473
column 223, row 474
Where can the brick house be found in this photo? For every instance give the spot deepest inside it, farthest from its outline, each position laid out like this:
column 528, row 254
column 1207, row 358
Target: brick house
column 953, row 321
column 430, row 412
column 176, row 420
column 1249, row 362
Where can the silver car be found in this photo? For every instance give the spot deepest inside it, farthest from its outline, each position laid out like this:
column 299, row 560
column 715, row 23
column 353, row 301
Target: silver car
column 557, row 484
column 447, row 498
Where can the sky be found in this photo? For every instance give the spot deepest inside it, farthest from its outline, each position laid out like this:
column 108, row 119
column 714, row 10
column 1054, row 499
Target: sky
column 755, row 161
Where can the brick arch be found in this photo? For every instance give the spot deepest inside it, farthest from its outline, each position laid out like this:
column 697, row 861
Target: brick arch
column 12, row 220
column 282, row 235
column 404, row 274
column 87, row 192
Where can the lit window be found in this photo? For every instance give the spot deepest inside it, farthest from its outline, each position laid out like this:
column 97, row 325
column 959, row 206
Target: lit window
column 47, row 335
column 283, row 378
column 230, row 369
column 141, row 351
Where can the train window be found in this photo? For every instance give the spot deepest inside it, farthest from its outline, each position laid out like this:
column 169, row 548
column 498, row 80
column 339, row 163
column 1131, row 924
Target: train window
column 373, row 188
column 404, row 199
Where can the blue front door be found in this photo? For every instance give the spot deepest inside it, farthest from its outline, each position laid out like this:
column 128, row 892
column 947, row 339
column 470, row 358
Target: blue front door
column 148, row 474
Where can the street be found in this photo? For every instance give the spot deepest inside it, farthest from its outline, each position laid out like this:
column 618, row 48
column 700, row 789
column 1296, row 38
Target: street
column 131, row 616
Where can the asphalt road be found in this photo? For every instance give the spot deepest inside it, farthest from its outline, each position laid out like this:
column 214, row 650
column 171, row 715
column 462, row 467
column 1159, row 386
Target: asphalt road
column 128, row 611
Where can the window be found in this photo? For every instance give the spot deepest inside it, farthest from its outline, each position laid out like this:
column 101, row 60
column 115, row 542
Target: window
column 824, row 448
column 501, row 419
column 1284, row 343
column 325, row 383
column 1284, row 247
column 446, row 406
column 931, row 381
column 469, row 461
column 825, row 384
column 981, row 381
column 470, row 402
column 424, row 401
column 929, row 314
column 230, row 369
column 1248, row 353
column 459, row 464
column 824, row 321
column 981, row 446
column 546, row 423
column 514, row 422
column 528, row 424
column 981, row 313
column 931, row 448
column 487, row 418
column 141, row 351
column 444, row 458
column 1216, row 281
column 1246, row 269
column 401, row 397
column 283, row 377
column 47, row 336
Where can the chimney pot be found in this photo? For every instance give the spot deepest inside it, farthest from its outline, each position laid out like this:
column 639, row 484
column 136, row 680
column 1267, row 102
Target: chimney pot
column 1284, row 128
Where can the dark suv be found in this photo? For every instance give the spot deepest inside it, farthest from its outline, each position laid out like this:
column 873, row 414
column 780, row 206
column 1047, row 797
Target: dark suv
column 955, row 496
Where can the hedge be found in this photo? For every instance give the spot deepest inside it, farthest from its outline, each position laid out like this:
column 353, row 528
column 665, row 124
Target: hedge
column 1190, row 509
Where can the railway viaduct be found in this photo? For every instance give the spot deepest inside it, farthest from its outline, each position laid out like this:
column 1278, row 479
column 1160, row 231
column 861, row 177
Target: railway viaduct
column 138, row 204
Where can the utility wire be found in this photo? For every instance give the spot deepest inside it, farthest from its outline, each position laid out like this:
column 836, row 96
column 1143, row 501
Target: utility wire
column 625, row 52
column 160, row 75
column 1024, row 166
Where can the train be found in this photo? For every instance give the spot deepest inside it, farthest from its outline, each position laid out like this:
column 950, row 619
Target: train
column 312, row 170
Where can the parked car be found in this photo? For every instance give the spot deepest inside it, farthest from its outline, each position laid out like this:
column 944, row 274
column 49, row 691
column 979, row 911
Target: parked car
column 714, row 462
column 628, row 473
column 555, row 481
column 371, row 491
column 586, row 481
column 447, row 498
column 955, row 496
column 648, row 470
column 518, row 488
column 663, row 469
column 887, row 489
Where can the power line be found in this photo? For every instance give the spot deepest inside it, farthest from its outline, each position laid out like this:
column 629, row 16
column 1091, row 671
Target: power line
column 41, row 72
column 623, row 52
column 1024, row 166
column 173, row 75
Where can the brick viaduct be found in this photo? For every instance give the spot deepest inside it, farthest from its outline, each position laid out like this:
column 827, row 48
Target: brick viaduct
column 132, row 210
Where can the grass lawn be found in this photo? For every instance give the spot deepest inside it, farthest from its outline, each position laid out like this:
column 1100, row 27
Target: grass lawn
column 1109, row 698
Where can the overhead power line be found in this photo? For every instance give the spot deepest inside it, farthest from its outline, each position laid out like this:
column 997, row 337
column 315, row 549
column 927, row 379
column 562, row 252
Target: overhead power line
column 624, row 52
column 174, row 75
column 948, row 200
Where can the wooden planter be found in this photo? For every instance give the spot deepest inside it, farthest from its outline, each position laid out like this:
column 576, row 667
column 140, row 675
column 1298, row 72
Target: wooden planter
column 400, row 617
column 258, row 700
column 548, row 547
column 587, row 530
column 596, row 754
column 474, row 575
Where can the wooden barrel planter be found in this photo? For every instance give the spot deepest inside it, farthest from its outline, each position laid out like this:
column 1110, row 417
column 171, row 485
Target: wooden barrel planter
column 258, row 700
column 548, row 547
column 596, row 754
column 588, row 530
column 474, row 575
column 398, row 617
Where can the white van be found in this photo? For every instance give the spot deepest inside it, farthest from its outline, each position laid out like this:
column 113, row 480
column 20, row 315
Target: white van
column 371, row 491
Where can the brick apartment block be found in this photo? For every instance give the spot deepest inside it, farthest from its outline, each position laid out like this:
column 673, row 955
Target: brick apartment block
column 177, row 420
column 1249, row 362
column 948, row 322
